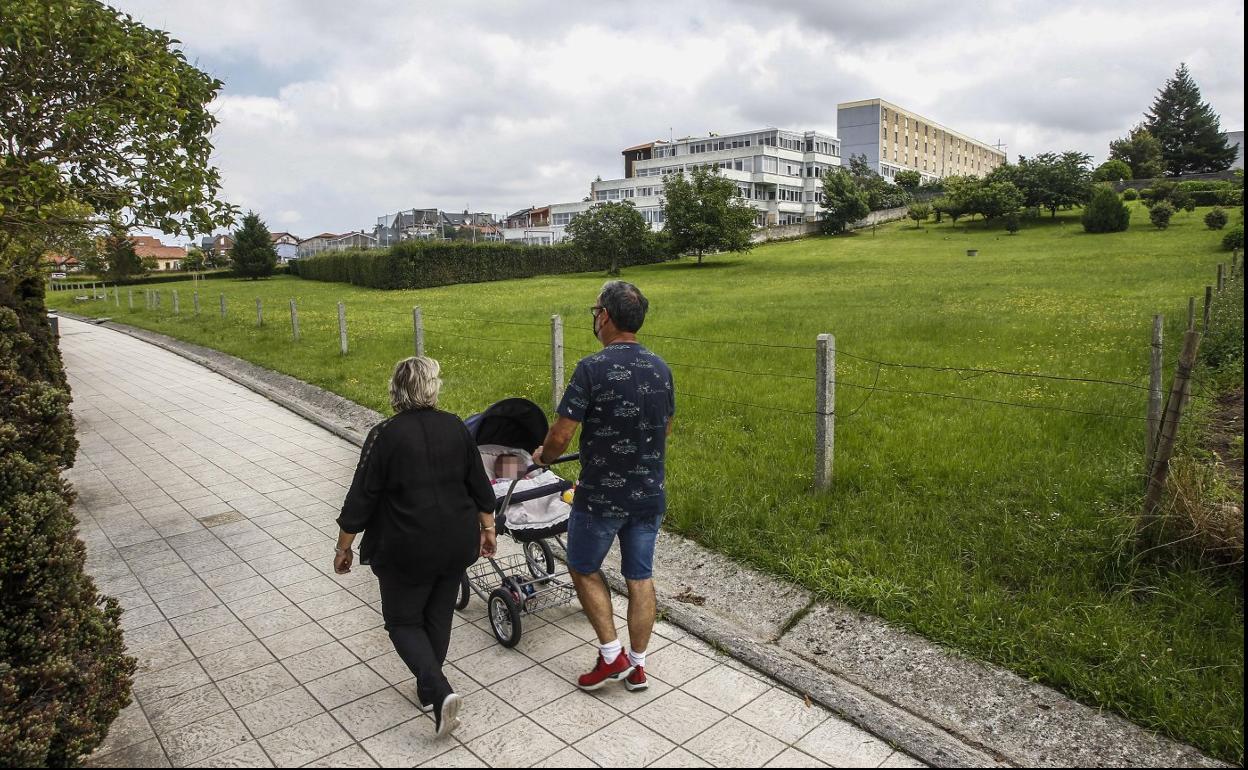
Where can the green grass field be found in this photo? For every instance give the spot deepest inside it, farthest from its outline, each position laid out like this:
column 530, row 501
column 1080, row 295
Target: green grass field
column 993, row 529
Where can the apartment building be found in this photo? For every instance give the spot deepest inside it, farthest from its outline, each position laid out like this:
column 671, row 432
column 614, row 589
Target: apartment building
column 895, row 139
column 778, row 172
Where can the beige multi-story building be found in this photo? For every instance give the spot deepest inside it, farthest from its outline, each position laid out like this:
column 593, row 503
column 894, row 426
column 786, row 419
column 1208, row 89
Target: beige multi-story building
column 894, row 139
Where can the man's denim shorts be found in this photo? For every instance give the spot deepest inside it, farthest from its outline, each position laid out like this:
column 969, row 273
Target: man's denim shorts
column 590, row 538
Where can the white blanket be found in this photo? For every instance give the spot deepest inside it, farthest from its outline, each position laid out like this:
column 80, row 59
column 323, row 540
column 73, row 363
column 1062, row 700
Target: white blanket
column 542, row 512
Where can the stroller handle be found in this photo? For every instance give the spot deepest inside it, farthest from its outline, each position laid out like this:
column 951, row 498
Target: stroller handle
column 565, row 459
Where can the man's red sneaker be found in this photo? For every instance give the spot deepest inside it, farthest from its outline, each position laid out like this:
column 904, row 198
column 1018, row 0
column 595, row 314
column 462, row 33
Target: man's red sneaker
column 605, row 672
column 637, row 679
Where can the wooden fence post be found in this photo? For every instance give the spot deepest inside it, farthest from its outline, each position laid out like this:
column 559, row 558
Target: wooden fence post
column 1191, row 312
column 130, row 298
column 1153, row 426
column 259, row 312
column 116, row 296
column 1208, row 304
column 825, row 408
column 177, row 308
column 222, row 300
column 342, row 328
column 1221, row 278
column 294, row 320
column 195, row 299
column 418, row 330
column 556, row 360
column 1179, row 392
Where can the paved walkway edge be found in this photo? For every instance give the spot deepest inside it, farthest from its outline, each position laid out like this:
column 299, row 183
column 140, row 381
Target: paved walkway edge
column 936, row 741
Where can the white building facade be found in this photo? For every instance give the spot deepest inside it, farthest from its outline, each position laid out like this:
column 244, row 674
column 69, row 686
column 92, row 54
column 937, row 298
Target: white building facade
column 778, row 172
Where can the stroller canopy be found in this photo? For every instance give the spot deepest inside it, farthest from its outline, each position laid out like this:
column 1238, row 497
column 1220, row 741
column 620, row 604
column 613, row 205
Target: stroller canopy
column 517, row 423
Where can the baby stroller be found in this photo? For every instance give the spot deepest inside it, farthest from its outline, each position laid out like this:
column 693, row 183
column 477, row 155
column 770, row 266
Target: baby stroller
column 529, row 509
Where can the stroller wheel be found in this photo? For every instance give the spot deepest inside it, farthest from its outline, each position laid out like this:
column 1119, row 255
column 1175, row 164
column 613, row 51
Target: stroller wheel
column 465, row 593
column 504, row 613
column 540, row 558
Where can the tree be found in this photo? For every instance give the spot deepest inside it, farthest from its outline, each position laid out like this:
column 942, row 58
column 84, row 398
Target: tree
column 1141, row 151
column 121, row 261
column 908, row 180
column 994, row 199
column 880, row 194
column 1216, row 219
column 1105, row 212
column 1188, row 129
column 615, row 231
column 919, row 212
column 1049, row 180
column 195, row 260
column 1012, row 223
column 703, row 213
column 1112, row 170
column 254, row 256
column 1159, row 214
column 844, row 202
column 950, row 207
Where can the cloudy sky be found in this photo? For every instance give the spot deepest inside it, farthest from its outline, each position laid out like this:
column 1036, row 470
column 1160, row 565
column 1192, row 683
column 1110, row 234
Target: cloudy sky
column 334, row 113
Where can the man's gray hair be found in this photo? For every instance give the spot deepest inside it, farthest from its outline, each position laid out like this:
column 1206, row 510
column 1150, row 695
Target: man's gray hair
column 415, row 384
column 625, row 304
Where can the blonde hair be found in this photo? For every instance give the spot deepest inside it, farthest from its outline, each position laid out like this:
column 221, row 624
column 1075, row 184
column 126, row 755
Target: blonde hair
column 415, row 384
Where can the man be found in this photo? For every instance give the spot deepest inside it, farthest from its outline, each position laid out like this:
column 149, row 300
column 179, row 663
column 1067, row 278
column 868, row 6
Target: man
column 625, row 398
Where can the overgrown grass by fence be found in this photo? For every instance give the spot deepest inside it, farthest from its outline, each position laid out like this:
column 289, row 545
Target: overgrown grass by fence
column 421, row 264
column 987, row 510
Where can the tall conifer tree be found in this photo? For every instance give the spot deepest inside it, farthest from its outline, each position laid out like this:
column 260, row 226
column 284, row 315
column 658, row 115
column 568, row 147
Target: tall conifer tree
column 253, row 253
column 1188, row 129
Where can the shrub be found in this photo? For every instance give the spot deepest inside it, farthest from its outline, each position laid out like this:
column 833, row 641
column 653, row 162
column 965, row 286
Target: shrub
column 1159, row 214
column 1112, row 170
column 1160, row 191
column 1216, row 219
column 1105, row 213
column 1012, row 222
column 422, row 264
column 1234, row 238
column 919, row 212
column 1182, row 199
column 1130, row 194
column 63, row 672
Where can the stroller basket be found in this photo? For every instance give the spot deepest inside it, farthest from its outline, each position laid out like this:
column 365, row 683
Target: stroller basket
column 536, row 594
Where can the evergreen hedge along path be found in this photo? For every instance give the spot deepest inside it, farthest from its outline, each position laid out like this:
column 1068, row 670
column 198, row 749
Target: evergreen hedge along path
column 994, row 529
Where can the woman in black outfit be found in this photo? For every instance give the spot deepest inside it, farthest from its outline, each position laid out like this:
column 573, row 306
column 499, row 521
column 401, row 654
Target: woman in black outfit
column 421, row 497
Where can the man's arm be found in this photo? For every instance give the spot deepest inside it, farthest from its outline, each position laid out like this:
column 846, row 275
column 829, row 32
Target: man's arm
column 557, row 440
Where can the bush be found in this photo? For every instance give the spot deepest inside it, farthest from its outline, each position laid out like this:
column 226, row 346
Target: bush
column 1105, row 213
column 63, row 672
column 422, row 264
column 1216, row 219
column 1130, row 194
column 919, row 212
column 1160, row 191
column 1159, row 214
column 1223, row 343
column 1182, row 199
column 1234, row 238
column 1112, row 170
column 1012, row 222
column 161, row 277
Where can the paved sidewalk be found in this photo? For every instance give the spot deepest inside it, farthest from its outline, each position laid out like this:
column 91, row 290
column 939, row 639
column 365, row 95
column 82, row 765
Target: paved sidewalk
column 208, row 511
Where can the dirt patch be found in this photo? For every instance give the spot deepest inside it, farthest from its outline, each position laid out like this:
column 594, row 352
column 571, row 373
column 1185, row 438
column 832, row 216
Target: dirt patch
column 1226, row 434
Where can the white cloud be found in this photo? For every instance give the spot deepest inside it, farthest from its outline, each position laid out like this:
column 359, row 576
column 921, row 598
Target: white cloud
column 335, row 113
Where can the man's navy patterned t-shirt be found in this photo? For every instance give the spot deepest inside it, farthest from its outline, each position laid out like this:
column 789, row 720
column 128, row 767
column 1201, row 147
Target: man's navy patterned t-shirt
column 623, row 397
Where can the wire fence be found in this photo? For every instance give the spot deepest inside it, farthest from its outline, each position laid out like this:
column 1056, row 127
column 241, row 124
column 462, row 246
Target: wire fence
column 459, row 327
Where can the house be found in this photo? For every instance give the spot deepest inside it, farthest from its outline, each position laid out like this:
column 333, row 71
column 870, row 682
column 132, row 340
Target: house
column 314, row 245
column 354, row 240
column 480, row 225
column 286, row 245
column 408, row 225
column 166, row 257
column 217, row 247
column 61, row 263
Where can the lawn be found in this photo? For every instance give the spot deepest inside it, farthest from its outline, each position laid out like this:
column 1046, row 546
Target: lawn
column 993, row 529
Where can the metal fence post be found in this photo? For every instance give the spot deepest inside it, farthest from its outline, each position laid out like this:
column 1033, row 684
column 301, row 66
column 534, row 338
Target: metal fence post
column 1153, row 426
column 177, row 308
column 294, row 320
column 418, row 330
column 259, row 312
column 342, row 327
column 825, row 408
column 222, row 299
column 556, row 360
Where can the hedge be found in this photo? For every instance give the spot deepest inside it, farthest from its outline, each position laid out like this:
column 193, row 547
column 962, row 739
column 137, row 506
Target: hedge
column 421, row 264
column 64, row 675
column 161, row 277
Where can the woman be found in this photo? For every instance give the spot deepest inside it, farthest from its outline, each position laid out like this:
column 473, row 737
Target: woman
column 423, row 502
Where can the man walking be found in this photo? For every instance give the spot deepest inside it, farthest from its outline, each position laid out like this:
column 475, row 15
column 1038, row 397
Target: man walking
column 625, row 398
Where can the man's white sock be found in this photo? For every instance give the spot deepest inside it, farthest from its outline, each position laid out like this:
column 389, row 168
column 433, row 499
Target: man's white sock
column 611, row 650
column 636, row 658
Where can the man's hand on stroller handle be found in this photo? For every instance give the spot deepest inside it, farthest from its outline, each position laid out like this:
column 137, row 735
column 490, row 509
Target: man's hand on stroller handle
column 557, row 440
